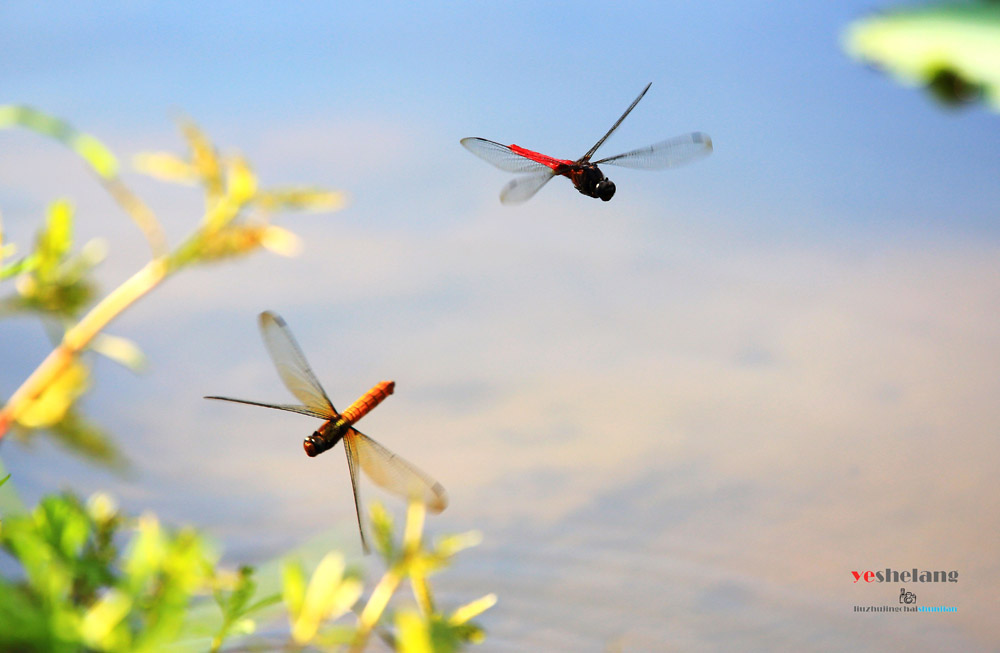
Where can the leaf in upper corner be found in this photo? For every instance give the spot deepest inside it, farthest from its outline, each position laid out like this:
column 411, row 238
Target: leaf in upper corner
column 953, row 50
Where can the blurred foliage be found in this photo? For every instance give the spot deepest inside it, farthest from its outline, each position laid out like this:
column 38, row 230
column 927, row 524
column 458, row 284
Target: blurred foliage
column 951, row 49
column 81, row 586
column 54, row 280
column 86, row 577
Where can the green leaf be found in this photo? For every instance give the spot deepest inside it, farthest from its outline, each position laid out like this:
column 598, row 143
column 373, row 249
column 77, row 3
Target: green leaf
column 121, row 350
column 99, row 157
column 166, row 166
column 86, row 146
column 293, row 586
column 328, row 596
column 300, row 199
column 382, row 528
column 952, row 48
column 56, row 239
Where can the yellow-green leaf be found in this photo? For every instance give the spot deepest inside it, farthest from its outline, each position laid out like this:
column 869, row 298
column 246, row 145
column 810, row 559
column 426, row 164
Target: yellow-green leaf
column 51, row 405
column 300, row 199
column 293, row 586
column 102, row 507
column 121, row 350
column 166, row 167
column 414, row 633
column 329, row 595
column 280, row 241
column 57, row 238
column 473, row 609
column 96, row 154
column 102, row 618
column 917, row 45
column 89, row 148
column 203, row 157
column 241, row 182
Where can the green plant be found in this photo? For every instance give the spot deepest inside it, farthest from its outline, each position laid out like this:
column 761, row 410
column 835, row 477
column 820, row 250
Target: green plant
column 88, row 577
column 84, row 588
column 54, row 281
column 952, row 49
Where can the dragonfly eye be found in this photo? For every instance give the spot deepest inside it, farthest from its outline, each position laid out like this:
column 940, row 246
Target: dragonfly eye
column 312, row 446
column 605, row 189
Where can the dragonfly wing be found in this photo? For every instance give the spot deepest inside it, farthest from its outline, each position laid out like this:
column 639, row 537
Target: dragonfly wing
column 521, row 189
column 352, row 464
column 590, row 153
column 292, row 366
column 501, row 156
column 665, row 154
column 389, row 471
column 302, row 410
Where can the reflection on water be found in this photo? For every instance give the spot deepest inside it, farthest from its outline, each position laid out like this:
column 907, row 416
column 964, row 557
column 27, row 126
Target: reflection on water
column 700, row 468
column 577, row 586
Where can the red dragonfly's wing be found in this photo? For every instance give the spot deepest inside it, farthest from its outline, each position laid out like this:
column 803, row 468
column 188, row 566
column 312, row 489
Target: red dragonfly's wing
column 292, row 366
column 586, row 157
column 502, row 156
column 665, row 154
column 521, row 189
column 389, row 471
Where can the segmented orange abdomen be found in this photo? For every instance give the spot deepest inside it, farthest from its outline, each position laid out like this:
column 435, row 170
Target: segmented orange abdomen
column 372, row 398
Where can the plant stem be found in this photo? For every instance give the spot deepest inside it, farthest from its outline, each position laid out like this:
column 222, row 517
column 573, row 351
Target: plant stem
column 79, row 336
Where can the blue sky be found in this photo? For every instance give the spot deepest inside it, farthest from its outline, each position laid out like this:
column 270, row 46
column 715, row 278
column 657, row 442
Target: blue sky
column 755, row 367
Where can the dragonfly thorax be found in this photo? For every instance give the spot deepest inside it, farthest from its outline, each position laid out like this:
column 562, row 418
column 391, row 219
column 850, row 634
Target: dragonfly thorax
column 326, row 437
column 590, row 181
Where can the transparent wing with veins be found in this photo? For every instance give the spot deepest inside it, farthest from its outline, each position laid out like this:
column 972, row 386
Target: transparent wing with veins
column 291, row 363
column 523, row 188
column 293, row 369
column 390, row 472
column 352, row 465
column 586, row 157
column 501, row 156
column 665, row 154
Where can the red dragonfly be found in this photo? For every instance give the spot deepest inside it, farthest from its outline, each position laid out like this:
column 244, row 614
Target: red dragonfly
column 382, row 466
column 538, row 168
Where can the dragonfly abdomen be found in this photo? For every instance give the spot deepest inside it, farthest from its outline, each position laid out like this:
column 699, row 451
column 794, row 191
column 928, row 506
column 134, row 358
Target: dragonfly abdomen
column 372, row 398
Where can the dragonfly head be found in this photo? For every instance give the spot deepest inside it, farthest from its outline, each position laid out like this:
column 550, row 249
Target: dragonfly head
column 605, row 189
column 315, row 444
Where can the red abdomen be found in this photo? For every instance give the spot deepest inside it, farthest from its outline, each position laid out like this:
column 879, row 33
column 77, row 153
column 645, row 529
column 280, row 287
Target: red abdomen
column 369, row 400
column 537, row 157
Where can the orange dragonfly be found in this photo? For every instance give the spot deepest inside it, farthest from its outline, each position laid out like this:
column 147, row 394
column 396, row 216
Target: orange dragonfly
column 382, row 466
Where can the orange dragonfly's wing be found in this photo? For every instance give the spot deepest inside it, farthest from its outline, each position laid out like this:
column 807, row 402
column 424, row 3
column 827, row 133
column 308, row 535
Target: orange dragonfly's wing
column 352, row 464
column 394, row 474
column 292, row 366
column 302, row 410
